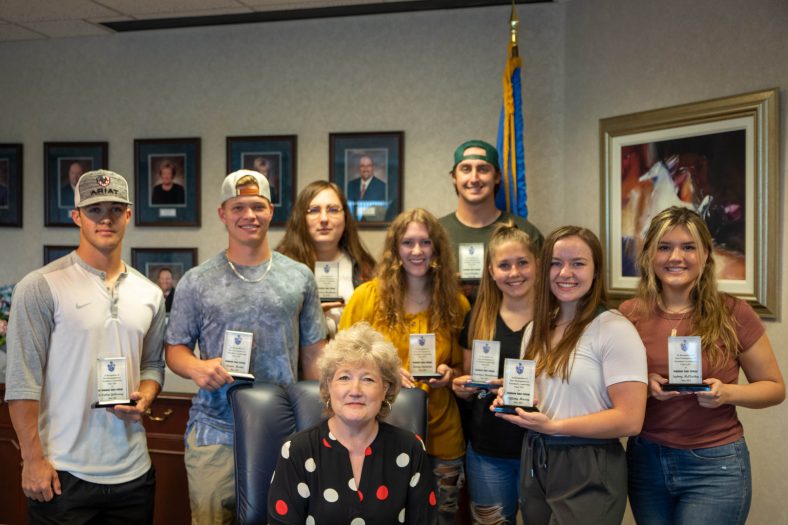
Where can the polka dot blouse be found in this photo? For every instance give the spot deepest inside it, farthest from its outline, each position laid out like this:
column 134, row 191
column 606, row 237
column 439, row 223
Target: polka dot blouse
column 313, row 483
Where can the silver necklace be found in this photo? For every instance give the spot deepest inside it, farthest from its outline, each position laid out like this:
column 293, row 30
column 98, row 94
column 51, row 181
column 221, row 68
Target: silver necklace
column 244, row 279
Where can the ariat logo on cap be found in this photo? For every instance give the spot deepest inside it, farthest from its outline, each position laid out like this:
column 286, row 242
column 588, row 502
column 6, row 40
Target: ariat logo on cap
column 102, row 181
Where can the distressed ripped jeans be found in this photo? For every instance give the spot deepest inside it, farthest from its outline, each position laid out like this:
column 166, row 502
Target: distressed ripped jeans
column 449, row 478
column 494, row 487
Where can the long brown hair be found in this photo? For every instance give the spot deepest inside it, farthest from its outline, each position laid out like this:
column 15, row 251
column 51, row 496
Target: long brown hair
column 556, row 361
column 392, row 285
column 712, row 319
column 297, row 243
column 488, row 301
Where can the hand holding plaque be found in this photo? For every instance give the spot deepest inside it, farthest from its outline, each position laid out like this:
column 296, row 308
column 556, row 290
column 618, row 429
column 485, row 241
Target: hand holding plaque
column 422, row 356
column 685, row 365
column 112, row 382
column 519, row 382
column 237, row 353
column 485, row 359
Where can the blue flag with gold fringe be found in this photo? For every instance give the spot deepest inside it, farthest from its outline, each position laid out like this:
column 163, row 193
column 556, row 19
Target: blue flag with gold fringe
column 511, row 144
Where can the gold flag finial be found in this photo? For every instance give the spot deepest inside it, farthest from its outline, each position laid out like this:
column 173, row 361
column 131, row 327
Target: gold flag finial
column 513, row 23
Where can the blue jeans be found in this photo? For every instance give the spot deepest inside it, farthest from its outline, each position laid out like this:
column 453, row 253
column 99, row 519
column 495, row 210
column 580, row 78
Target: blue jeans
column 674, row 486
column 495, row 483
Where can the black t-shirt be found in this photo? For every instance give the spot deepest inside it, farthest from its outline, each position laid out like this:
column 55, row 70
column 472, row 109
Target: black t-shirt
column 490, row 435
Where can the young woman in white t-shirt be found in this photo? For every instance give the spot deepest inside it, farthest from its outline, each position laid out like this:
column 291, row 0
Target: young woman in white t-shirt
column 590, row 389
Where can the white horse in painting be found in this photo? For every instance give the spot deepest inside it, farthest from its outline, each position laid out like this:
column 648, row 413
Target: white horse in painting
column 664, row 191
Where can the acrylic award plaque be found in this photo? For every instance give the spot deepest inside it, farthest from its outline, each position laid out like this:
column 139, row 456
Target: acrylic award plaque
column 685, row 365
column 422, row 356
column 485, row 358
column 112, row 382
column 471, row 260
column 237, row 353
column 519, row 382
column 327, row 277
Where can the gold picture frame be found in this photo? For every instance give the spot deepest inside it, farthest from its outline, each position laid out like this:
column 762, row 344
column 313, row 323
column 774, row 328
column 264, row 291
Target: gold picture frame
column 719, row 157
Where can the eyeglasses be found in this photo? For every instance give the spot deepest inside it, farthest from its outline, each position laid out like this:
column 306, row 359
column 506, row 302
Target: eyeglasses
column 331, row 211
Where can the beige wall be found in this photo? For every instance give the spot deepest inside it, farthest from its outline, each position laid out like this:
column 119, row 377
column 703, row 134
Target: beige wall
column 435, row 75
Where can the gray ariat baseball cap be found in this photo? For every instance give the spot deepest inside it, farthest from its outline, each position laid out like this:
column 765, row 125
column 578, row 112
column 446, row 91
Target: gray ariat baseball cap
column 230, row 187
column 101, row 186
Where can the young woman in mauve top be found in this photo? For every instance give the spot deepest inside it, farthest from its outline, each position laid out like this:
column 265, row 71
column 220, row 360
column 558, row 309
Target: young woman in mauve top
column 690, row 463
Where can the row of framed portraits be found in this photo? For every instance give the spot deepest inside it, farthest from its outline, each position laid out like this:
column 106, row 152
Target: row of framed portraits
column 148, row 261
column 367, row 166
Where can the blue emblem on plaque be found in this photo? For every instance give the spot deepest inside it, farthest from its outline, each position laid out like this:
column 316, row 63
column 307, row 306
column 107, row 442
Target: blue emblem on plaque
column 683, row 346
column 519, row 368
column 422, row 341
column 486, row 348
column 471, row 250
column 238, row 339
column 111, row 366
column 326, row 268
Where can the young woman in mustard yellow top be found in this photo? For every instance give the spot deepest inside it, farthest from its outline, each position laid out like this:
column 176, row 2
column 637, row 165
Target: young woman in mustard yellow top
column 415, row 291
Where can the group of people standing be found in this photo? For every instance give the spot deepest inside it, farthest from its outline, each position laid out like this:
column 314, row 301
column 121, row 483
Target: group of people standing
column 599, row 371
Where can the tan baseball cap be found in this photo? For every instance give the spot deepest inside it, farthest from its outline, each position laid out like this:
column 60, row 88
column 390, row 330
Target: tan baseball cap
column 101, row 186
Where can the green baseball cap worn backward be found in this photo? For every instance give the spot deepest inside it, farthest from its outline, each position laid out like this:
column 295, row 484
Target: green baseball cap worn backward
column 490, row 153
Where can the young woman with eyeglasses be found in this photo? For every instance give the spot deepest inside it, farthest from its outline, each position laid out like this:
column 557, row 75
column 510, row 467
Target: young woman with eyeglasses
column 321, row 229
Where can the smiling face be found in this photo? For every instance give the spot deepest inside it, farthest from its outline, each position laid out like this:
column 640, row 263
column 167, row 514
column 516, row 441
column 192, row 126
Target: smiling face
column 571, row 270
column 415, row 250
column 247, row 218
column 357, row 392
column 678, row 260
column 102, row 225
column 513, row 269
column 366, row 168
column 165, row 280
column 325, row 218
column 475, row 179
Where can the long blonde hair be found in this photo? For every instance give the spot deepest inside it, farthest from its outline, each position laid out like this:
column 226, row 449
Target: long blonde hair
column 392, row 285
column 488, row 301
column 556, row 361
column 711, row 318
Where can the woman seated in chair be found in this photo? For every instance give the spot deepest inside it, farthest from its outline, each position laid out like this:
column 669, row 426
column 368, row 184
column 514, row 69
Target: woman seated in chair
column 354, row 468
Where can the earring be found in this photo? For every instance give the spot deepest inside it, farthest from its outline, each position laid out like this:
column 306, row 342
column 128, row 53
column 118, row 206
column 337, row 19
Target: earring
column 388, row 404
column 328, row 404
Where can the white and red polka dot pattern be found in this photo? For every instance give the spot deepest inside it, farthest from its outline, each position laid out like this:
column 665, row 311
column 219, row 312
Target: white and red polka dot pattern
column 314, row 482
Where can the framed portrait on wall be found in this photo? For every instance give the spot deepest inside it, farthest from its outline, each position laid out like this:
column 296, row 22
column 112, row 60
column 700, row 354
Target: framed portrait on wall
column 274, row 157
column 167, row 175
column 64, row 164
column 369, row 169
column 164, row 266
column 718, row 158
column 53, row 252
column 11, row 185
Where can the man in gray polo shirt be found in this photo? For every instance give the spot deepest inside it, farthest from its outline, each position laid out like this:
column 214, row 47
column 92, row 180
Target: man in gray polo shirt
column 76, row 325
column 246, row 289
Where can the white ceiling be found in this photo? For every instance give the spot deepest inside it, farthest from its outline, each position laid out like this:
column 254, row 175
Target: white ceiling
column 39, row 19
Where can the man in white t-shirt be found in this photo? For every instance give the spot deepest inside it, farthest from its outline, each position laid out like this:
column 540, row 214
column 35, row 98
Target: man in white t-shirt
column 87, row 330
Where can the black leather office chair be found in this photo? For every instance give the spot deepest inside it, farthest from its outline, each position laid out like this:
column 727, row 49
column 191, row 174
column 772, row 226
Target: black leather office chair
column 265, row 415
